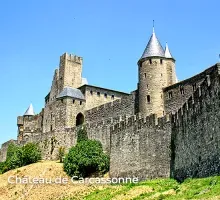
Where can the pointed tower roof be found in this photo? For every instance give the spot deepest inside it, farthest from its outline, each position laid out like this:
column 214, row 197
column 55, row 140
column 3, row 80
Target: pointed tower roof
column 167, row 52
column 29, row 111
column 153, row 48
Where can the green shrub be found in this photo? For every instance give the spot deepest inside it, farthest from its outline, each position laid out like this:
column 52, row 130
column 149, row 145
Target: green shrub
column 82, row 135
column 30, row 154
column 61, row 153
column 2, row 167
column 20, row 156
column 86, row 158
column 13, row 158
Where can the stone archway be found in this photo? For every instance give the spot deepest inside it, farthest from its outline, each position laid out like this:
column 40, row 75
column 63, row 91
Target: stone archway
column 79, row 119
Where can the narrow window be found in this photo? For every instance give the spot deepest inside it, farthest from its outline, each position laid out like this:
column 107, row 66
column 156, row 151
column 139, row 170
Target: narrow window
column 148, row 98
column 105, row 95
column 51, row 128
column 80, row 102
column 91, row 92
column 98, row 94
column 147, row 85
column 194, row 87
column 161, row 74
column 161, row 61
column 181, row 90
column 113, row 96
column 145, row 75
column 73, row 101
column 150, row 61
column 170, row 95
column 61, row 100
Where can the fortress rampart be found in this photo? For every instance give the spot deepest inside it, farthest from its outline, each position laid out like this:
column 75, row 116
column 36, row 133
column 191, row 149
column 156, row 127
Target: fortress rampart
column 195, row 132
column 140, row 147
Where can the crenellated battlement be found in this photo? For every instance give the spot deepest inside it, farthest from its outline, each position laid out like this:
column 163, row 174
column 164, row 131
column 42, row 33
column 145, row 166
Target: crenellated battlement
column 195, row 103
column 138, row 122
column 71, row 57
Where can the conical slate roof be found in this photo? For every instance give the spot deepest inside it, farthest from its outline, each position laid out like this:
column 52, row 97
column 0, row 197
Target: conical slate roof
column 29, row 111
column 167, row 52
column 153, row 48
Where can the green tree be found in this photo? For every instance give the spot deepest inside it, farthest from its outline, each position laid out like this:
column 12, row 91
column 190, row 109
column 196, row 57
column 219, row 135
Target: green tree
column 82, row 135
column 86, row 158
column 2, row 167
column 14, row 157
column 30, row 153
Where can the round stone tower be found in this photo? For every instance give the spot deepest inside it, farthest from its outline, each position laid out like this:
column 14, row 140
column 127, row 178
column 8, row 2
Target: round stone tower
column 154, row 75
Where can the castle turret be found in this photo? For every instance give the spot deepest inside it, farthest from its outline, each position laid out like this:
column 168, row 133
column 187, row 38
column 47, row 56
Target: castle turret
column 153, row 70
column 170, row 63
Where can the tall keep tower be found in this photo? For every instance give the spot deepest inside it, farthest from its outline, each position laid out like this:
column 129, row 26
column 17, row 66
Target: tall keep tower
column 156, row 71
column 70, row 71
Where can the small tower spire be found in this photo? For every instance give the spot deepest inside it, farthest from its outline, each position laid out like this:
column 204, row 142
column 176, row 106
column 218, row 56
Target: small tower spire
column 29, row 111
column 167, row 52
column 153, row 26
column 153, row 48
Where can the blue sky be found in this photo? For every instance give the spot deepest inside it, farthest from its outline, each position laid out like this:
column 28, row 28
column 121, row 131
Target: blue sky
column 110, row 35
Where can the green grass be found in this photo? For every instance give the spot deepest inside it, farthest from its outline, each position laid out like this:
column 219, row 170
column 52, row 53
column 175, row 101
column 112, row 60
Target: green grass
column 169, row 189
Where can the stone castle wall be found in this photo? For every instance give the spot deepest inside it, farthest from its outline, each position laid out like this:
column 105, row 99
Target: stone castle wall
column 97, row 96
column 141, row 147
column 176, row 95
column 3, row 150
column 119, row 107
column 195, row 132
column 101, row 118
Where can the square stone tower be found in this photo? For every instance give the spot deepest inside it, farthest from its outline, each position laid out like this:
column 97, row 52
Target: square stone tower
column 70, row 71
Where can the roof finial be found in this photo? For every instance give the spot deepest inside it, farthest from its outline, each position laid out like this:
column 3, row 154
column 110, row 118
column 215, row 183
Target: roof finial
column 153, row 25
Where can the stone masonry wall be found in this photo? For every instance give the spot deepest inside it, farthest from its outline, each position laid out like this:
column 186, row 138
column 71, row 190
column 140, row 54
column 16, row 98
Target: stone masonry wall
column 3, row 150
column 99, row 119
column 196, row 132
column 50, row 142
column 119, row 107
column 96, row 96
column 176, row 95
column 141, row 148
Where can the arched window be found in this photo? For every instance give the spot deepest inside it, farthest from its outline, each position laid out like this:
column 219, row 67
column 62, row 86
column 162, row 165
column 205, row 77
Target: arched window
column 79, row 119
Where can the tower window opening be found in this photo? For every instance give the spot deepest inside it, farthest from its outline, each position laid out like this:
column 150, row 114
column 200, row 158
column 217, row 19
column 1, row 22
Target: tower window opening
column 113, row 96
column 145, row 75
column 181, row 90
column 170, row 95
column 148, row 98
column 80, row 102
column 150, row 61
column 194, row 87
column 73, row 101
column 91, row 92
column 161, row 61
column 61, row 100
column 147, row 85
column 105, row 95
column 98, row 94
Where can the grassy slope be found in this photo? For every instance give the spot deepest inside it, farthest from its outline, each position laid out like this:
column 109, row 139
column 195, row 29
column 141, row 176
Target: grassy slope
column 207, row 188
